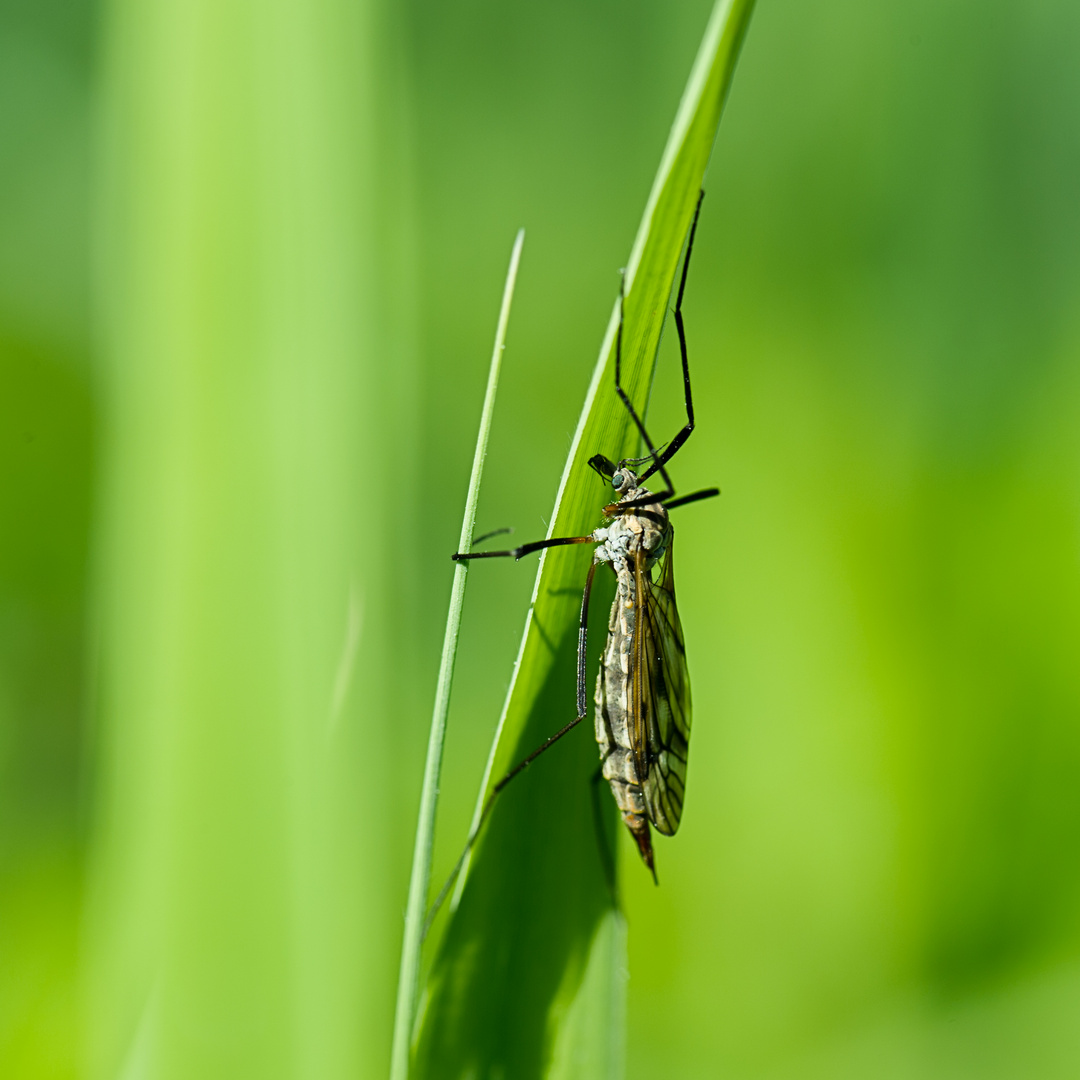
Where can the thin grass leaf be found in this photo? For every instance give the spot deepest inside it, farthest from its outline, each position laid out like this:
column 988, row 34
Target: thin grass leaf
column 529, row 980
column 425, row 827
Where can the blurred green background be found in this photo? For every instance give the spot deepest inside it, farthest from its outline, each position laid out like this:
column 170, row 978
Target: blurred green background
column 877, row 872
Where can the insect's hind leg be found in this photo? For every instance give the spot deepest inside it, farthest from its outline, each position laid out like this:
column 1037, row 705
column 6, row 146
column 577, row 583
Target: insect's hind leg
column 546, row 745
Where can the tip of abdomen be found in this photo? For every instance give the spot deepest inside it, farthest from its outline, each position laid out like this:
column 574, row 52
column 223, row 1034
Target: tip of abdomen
column 638, row 825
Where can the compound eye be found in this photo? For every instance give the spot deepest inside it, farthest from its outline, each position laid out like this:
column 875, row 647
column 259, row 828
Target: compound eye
column 618, row 480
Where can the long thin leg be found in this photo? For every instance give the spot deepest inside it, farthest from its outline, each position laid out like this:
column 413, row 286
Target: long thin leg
column 582, row 703
column 660, row 460
column 670, row 490
column 522, row 765
column 697, row 496
column 525, row 549
column 495, row 792
column 684, row 434
column 582, row 639
column 494, row 532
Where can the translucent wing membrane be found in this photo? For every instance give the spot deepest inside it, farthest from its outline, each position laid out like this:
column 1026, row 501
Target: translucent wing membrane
column 660, row 696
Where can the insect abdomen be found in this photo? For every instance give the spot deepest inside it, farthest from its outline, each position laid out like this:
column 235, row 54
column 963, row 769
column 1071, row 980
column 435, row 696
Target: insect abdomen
column 612, row 737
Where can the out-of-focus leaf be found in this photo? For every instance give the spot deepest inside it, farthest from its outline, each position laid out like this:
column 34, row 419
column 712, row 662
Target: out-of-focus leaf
column 247, row 622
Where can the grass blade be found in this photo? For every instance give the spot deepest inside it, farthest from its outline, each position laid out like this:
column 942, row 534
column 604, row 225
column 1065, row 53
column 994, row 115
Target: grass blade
column 519, row 964
column 425, row 827
column 250, row 382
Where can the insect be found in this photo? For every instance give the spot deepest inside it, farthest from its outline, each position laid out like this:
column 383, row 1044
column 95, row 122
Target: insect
column 642, row 693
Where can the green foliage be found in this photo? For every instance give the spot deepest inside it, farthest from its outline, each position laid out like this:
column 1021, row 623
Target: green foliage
column 877, row 870
column 244, row 619
column 535, row 944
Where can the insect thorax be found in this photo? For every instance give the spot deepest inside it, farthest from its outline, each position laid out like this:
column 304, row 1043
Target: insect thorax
column 643, row 529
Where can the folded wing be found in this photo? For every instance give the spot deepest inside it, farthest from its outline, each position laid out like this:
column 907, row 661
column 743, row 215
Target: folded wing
column 659, row 724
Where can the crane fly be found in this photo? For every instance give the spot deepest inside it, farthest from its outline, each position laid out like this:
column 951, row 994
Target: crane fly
column 642, row 698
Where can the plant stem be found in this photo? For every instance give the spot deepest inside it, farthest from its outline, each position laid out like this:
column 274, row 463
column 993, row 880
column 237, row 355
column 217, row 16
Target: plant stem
column 429, row 795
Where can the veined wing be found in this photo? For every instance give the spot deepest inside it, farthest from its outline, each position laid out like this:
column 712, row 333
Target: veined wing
column 660, row 696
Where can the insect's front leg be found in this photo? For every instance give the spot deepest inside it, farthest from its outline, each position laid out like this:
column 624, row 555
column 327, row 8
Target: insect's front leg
column 524, row 549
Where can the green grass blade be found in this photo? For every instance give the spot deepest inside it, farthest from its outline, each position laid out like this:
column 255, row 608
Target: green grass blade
column 520, row 964
column 251, row 435
column 425, row 828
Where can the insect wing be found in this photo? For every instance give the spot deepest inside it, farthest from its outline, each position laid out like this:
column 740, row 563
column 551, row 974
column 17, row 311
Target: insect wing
column 662, row 687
